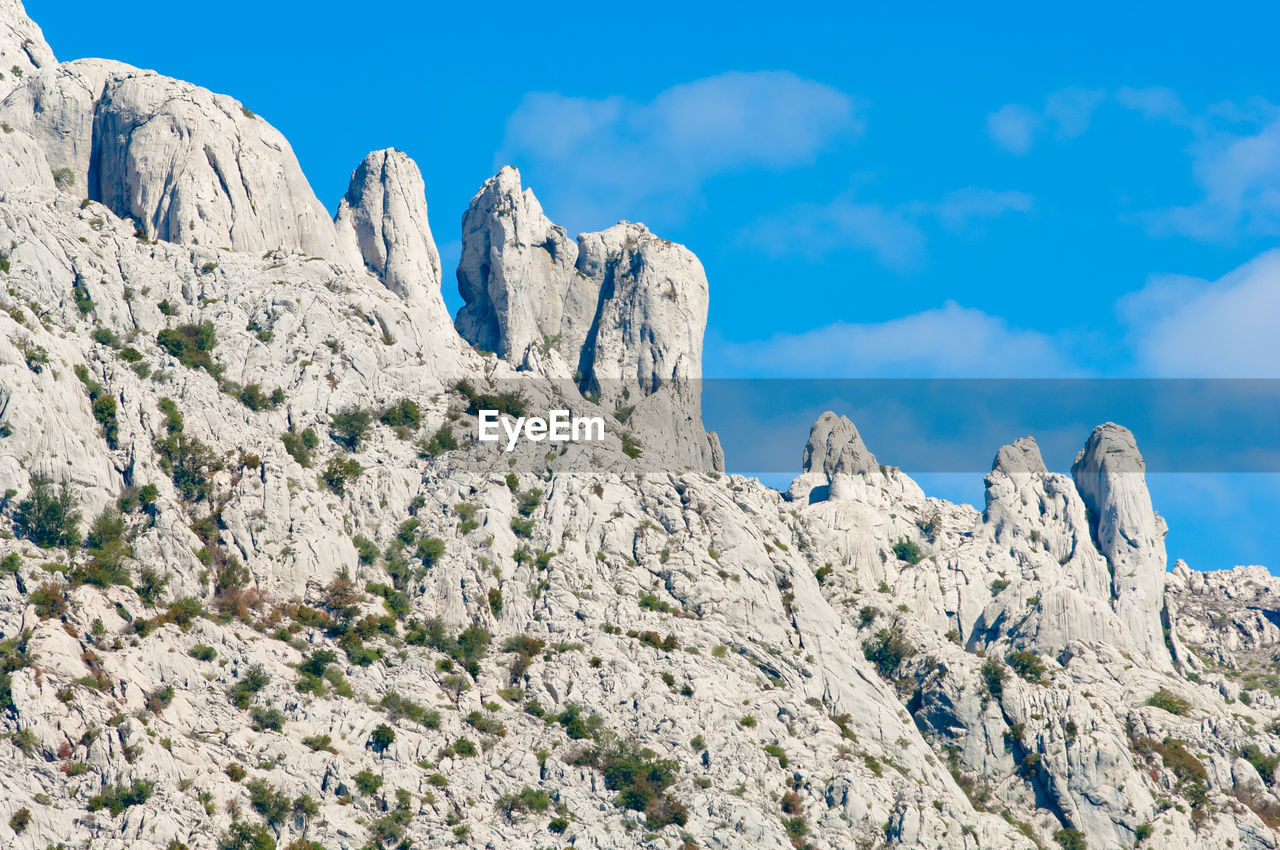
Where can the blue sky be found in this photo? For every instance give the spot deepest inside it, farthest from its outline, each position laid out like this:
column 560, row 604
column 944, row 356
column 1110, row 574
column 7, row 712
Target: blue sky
column 1056, row 190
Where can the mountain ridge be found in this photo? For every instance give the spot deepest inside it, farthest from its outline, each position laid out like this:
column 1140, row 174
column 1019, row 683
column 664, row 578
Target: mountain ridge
column 301, row 606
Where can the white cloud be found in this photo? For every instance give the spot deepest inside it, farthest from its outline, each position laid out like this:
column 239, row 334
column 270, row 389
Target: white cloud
column 1067, row 113
column 812, row 230
column 1187, row 327
column 1240, row 178
column 1013, row 127
column 963, row 207
column 893, row 234
column 601, row 157
column 1071, row 109
column 949, row 341
column 1155, row 103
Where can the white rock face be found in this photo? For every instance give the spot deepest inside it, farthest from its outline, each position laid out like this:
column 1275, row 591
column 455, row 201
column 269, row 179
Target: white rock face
column 185, row 164
column 22, row 46
column 382, row 225
column 516, row 273
column 652, row 312
column 1110, row 475
column 623, row 307
column 856, row 661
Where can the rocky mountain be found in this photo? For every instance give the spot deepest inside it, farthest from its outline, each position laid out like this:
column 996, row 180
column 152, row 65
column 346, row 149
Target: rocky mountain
column 261, row 586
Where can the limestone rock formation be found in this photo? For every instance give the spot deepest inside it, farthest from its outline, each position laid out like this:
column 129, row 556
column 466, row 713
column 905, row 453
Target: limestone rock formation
column 287, row 596
column 515, row 275
column 22, row 47
column 623, row 307
column 185, row 164
column 1110, row 474
column 652, row 312
column 382, row 225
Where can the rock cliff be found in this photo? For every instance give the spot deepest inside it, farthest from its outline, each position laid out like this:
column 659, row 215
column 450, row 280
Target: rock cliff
column 260, row 586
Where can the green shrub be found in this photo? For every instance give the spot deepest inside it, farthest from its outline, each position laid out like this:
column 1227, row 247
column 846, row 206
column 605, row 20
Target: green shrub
column 907, row 550
column 495, row 601
column 403, row 414
column 160, row 699
column 640, row 780
column 247, row 836
column 267, row 801
column 117, row 798
column 441, row 441
column 630, row 447
column 349, row 426
column 339, row 473
column 190, row 463
column 107, row 550
column 47, row 518
column 84, row 303
column 368, row 782
column 778, row 753
column 430, row 550
column 395, row 601
column 1070, row 839
column 527, row 800
column 50, row 600
column 104, row 336
column 300, row 444
column 252, row 397
column 994, row 674
column 242, row 692
column 398, row 708
column 104, row 411
column 320, row 743
column 577, row 723
column 511, row 403
column 465, row 747
column 466, row 649
column 528, row 501
column 202, row 652
column 382, row 737
column 1264, row 763
column 365, row 549
column 522, row 527
column 887, row 650
column 305, row 807
column 1170, row 702
column 191, row 345
column 21, row 820
column 267, row 719
column 1027, row 665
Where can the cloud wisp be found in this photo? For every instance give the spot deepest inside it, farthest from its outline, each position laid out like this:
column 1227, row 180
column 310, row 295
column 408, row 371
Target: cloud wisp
column 1065, row 114
column 950, row 341
column 605, row 155
column 893, row 234
column 1189, row 327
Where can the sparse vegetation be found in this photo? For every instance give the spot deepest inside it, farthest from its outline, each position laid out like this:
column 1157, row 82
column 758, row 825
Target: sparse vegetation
column 350, row 426
column 339, row 473
column 192, row 346
column 887, row 650
column 1027, row 665
column 48, row 518
column 905, row 549
column 1169, row 702
column 300, row 444
column 116, row 798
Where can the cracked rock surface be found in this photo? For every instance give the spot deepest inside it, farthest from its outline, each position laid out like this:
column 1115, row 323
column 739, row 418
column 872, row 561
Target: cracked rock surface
column 303, row 607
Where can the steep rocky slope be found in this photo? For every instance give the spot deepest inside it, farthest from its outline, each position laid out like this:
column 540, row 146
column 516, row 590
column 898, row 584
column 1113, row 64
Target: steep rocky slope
column 259, row 585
